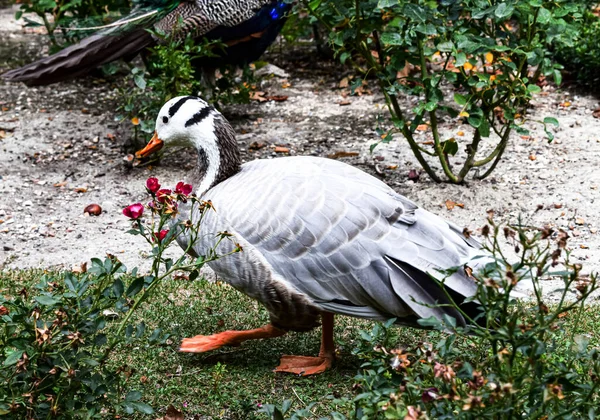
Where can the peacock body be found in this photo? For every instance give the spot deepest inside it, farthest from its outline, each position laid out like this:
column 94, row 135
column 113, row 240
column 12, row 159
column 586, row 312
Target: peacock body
column 247, row 27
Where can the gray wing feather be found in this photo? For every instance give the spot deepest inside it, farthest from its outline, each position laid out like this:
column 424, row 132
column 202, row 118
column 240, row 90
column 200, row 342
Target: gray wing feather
column 344, row 238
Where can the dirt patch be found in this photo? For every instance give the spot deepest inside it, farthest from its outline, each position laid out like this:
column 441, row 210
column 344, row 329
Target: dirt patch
column 63, row 150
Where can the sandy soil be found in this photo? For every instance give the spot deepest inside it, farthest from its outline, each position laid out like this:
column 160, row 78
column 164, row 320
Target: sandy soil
column 62, row 150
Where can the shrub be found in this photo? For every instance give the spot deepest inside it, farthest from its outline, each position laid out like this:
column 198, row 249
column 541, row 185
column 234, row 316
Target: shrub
column 57, row 337
column 493, row 53
column 60, row 15
column 518, row 362
column 170, row 71
column 583, row 58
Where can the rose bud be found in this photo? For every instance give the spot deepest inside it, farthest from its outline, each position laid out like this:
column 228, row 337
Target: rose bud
column 182, row 188
column 134, row 211
column 161, row 235
column 152, row 184
column 93, row 210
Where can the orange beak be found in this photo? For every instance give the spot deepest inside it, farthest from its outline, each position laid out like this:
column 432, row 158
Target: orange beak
column 154, row 145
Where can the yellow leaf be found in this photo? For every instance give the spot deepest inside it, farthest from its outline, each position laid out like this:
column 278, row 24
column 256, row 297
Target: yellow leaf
column 463, row 114
column 468, row 66
column 135, row 121
column 489, row 58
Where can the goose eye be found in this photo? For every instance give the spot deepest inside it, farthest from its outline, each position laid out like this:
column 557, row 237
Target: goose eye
column 165, row 120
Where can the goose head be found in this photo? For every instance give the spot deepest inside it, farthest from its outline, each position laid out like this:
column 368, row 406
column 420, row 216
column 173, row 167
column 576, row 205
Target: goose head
column 188, row 121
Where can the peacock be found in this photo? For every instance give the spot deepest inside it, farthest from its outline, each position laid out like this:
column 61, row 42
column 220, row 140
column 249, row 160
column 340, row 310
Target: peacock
column 246, row 27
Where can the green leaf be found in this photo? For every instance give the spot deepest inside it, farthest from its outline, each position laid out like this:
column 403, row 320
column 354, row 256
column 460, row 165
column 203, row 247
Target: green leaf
column 392, row 38
column 484, row 128
column 314, row 4
column 449, row 147
column 415, row 12
column 13, row 357
column 133, row 396
column 461, row 59
column 551, row 120
column 534, row 88
column 46, row 300
column 460, row 99
column 142, row 407
column 382, row 4
column 118, row 288
column 475, row 120
column 135, row 287
column 445, row 46
column 344, row 56
column 504, row 10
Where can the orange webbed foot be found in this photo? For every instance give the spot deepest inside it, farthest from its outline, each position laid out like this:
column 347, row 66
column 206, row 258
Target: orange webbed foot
column 304, row 365
column 203, row 343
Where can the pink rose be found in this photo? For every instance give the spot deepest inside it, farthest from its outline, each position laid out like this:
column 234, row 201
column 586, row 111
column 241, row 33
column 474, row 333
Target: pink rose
column 152, row 184
column 134, row 211
column 182, row 188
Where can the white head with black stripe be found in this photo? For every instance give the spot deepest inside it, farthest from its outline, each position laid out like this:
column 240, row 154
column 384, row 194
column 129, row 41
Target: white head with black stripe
column 188, row 121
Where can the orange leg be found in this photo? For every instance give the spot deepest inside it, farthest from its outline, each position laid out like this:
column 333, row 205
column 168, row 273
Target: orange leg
column 202, row 343
column 303, row 365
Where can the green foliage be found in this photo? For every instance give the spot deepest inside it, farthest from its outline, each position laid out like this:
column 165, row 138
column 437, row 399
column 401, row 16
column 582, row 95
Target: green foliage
column 491, row 53
column 60, row 15
column 517, row 361
column 54, row 341
column 58, row 337
column 583, row 58
column 171, row 71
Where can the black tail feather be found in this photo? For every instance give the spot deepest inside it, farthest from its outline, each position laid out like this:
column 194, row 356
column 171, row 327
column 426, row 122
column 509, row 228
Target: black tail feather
column 81, row 58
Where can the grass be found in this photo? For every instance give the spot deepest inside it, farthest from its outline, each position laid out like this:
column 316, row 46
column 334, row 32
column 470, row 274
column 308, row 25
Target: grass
column 232, row 382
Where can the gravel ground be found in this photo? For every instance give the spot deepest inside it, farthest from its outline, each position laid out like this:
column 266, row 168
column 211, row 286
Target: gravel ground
column 62, row 150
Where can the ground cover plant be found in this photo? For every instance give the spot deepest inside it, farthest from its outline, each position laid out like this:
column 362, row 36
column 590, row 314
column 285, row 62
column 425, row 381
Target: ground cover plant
column 55, row 345
column 492, row 53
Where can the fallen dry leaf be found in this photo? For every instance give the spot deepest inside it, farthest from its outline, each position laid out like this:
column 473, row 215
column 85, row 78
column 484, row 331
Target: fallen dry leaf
column 79, row 268
column 596, row 113
column 282, row 149
column 258, row 96
column 557, row 205
column 532, row 157
column 580, row 221
column 582, row 246
column 81, row 189
column 566, row 104
column 341, row 154
column 344, row 102
column 344, row 83
column 285, row 84
column 593, row 230
column 173, row 414
column 451, row 204
column 460, row 133
column 256, row 145
column 277, row 98
column 422, row 127
column 60, row 184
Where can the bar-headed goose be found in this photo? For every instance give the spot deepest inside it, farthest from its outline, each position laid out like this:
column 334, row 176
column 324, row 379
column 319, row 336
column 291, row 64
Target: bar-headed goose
column 319, row 238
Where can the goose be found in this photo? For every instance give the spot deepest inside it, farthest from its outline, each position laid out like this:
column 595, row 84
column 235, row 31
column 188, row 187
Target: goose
column 246, row 27
column 319, row 238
